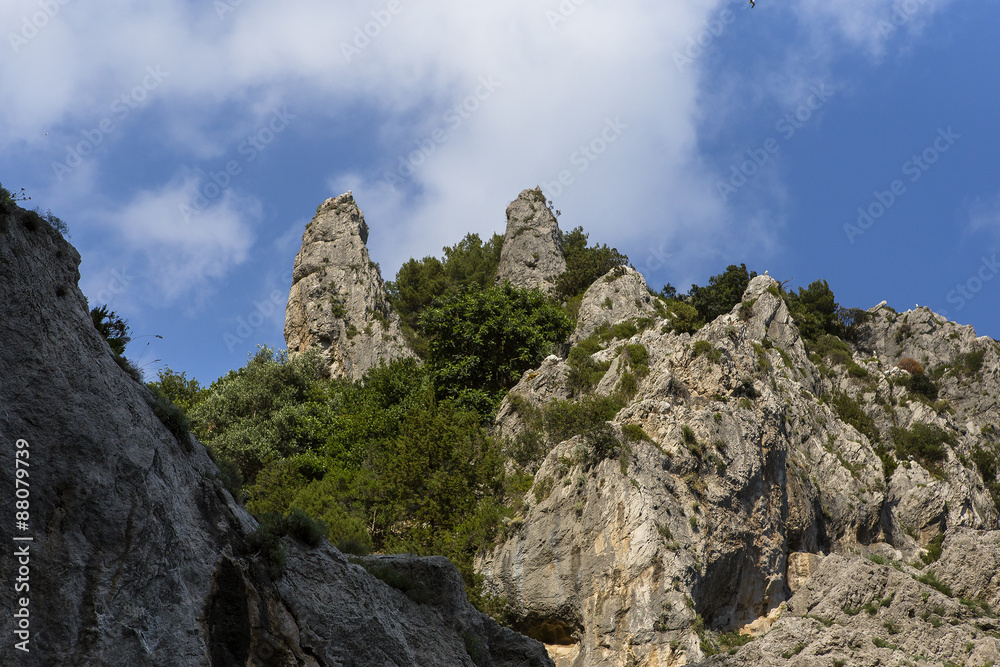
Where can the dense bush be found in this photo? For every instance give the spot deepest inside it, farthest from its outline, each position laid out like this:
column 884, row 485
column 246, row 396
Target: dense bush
column 584, row 372
column 851, row 412
column 565, row 419
column 469, row 264
column 172, row 416
column 271, row 408
column 481, row 341
column 909, row 365
column 921, row 386
column 816, row 312
column 584, row 264
column 182, row 392
column 382, row 463
column 924, row 442
column 722, row 293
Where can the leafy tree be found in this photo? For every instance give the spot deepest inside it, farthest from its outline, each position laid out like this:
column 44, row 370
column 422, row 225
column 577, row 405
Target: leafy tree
column 482, row 341
column 722, row 293
column 175, row 386
column 816, row 312
column 585, row 264
column 271, row 408
column 113, row 328
column 468, row 264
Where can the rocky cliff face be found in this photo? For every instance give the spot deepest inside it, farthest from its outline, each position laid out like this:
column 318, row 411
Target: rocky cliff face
column 138, row 554
column 532, row 246
column 338, row 302
column 619, row 296
column 736, row 472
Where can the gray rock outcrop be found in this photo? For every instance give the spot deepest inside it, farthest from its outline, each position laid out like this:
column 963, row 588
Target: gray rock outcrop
column 749, row 452
column 139, row 555
column 856, row 612
column 620, row 295
column 338, row 303
column 532, row 254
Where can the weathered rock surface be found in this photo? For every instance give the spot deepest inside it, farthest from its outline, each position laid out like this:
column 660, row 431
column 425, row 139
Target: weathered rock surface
column 624, row 560
column 620, row 295
column 532, row 254
column 855, row 612
column 338, row 302
column 139, row 554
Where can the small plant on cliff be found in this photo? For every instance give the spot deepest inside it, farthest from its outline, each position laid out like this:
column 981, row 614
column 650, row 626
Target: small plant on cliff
column 113, row 328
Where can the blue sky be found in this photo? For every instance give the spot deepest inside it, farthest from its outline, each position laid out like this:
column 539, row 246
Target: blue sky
column 187, row 144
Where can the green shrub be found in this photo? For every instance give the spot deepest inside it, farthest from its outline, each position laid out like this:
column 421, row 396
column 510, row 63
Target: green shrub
column 584, row 373
column 565, row 419
column 527, row 449
column 635, row 433
column 934, row 548
column 970, row 363
column 584, row 265
column 931, row 579
column 469, row 264
column 722, row 293
column 182, row 392
column 172, row 417
column 921, row 386
column 130, row 368
column 924, row 442
column 701, row 347
column 112, row 328
column 851, row 412
column 229, row 475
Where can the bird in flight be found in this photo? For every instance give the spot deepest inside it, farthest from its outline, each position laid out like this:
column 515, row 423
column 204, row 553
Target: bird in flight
column 752, row 3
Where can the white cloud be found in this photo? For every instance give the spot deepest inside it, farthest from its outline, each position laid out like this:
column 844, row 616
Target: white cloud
column 173, row 255
column 558, row 84
column 984, row 216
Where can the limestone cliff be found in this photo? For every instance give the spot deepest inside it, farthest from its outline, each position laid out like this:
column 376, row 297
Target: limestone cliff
column 736, row 471
column 138, row 554
column 338, row 302
column 532, row 254
column 620, row 295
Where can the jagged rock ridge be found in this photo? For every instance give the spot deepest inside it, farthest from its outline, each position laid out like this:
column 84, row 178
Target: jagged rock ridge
column 532, row 254
column 140, row 555
column 740, row 468
column 337, row 302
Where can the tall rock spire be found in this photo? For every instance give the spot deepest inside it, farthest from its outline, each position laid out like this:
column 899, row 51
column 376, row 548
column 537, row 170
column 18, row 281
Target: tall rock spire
column 532, row 246
column 338, row 301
